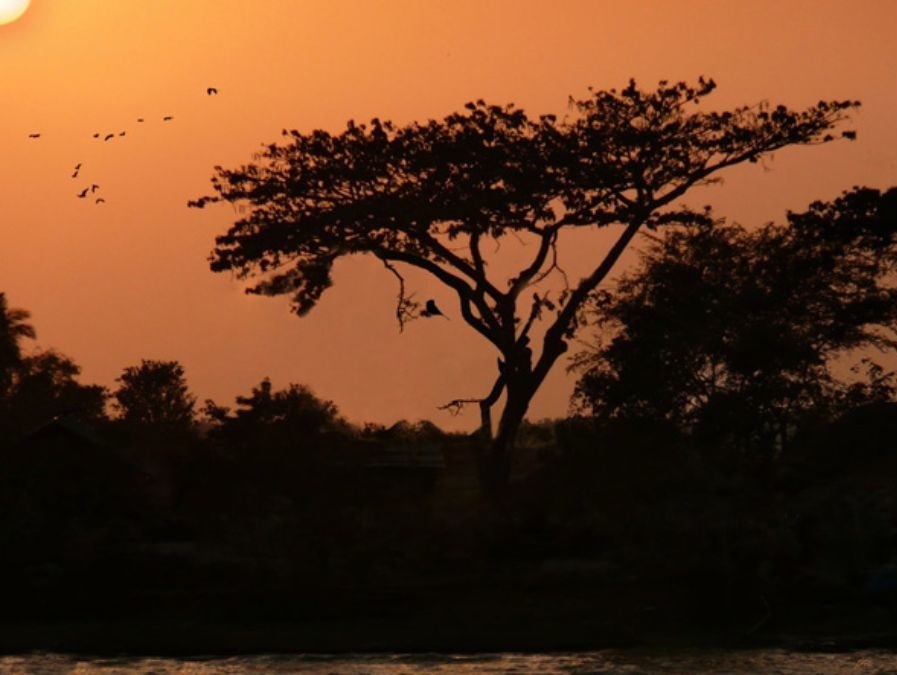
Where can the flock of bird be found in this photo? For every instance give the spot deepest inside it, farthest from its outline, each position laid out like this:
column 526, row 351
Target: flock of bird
column 429, row 310
column 91, row 189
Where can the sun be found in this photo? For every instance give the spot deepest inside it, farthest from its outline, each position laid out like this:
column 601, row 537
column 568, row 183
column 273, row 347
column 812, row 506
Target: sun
column 10, row 10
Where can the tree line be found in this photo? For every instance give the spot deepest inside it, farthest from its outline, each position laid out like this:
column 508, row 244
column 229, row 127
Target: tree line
column 741, row 338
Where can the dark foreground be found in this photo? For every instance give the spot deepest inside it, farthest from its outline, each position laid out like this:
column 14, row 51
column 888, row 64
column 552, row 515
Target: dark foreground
column 607, row 538
column 495, row 617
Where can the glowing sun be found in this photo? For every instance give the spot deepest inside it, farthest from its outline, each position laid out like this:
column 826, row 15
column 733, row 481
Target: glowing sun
column 10, row 10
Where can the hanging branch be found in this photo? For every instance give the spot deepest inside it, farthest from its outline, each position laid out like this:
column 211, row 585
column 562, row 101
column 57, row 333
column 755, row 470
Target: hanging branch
column 406, row 308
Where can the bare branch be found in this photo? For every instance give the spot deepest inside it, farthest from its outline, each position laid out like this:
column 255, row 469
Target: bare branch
column 548, row 236
column 554, row 267
column 406, row 308
column 455, row 407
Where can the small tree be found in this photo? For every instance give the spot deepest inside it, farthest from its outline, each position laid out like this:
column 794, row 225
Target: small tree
column 276, row 436
column 46, row 386
column 154, row 397
column 431, row 195
column 731, row 334
column 290, row 416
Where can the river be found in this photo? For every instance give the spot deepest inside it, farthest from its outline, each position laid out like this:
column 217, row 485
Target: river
column 630, row 662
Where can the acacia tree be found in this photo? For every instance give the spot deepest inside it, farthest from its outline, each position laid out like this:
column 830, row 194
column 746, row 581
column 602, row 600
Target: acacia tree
column 430, row 195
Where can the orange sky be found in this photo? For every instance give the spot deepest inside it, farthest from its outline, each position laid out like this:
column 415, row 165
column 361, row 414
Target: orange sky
column 114, row 283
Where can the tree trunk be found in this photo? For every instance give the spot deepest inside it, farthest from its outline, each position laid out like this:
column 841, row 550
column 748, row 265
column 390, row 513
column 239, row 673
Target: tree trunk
column 495, row 454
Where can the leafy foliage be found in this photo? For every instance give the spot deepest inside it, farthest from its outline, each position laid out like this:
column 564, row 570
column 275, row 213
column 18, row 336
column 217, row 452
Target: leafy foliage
column 36, row 387
column 733, row 333
column 155, row 396
column 13, row 327
column 288, row 417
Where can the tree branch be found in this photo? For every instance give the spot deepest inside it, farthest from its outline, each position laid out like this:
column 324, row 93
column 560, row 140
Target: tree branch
column 455, row 407
column 553, row 342
column 466, row 294
column 406, row 308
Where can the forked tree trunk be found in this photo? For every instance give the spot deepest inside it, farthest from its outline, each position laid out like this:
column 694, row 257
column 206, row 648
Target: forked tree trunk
column 495, row 454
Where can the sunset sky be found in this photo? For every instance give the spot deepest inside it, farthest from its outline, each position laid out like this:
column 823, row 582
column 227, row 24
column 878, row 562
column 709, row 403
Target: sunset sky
column 110, row 284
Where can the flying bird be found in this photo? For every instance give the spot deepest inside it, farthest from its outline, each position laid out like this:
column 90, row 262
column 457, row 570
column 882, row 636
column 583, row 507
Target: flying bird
column 121, row 133
column 211, row 90
column 77, row 169
column 96, row 135
column 430, row 309
column 100, row 200
column 168, row 118
column 139, row 119
column 94, row 187
column 109, row 137
column 33, row 135
column 83, row 193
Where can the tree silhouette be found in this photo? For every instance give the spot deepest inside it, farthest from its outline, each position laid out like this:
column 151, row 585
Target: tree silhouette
column 154, row 397
column 267, row 417
column 431, row 196
column 731, row 334
column 13, row 328
column 46, row 386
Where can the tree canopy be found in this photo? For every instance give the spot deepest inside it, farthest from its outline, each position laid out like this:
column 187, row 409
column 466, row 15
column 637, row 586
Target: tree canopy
column 283, row 418
column 731, row 334
column 154, row 396
column 13, row 327
column 37, row 386
column 429, row 195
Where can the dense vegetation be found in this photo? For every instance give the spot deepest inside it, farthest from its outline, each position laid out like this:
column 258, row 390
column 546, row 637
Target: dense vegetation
column 724, row 468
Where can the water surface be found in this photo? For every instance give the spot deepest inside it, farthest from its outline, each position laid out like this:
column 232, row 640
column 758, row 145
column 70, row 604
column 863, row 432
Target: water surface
column 631, row 662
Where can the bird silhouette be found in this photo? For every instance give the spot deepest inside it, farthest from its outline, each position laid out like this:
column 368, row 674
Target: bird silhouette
column 100, row 200
column 211, row 90
column 94, row 187
column 83, row 193
column 109, row 137
column 33, row 135
column 96, row 135
column 139, row 119
column 430, row 309
column 168, row 118
column 121, row 133
column 77, row 169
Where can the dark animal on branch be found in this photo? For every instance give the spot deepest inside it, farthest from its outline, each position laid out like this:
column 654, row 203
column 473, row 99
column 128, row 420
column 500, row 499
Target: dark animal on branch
column 430, row 309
